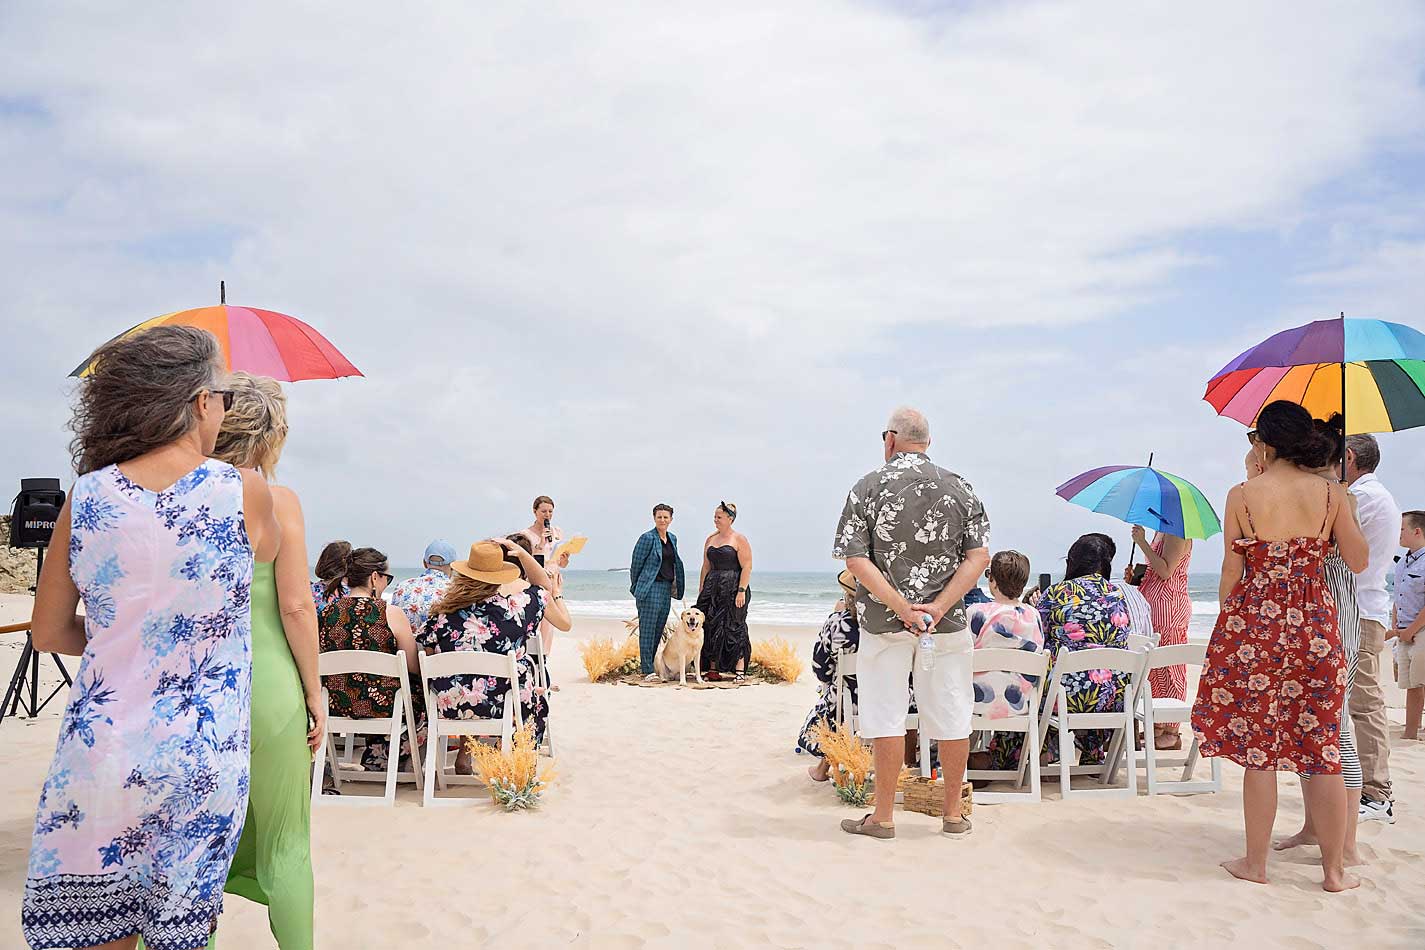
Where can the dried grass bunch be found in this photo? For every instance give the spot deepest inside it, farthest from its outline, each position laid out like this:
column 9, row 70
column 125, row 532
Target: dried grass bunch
column 850, row 763
column 605, row 660
column 777, row 660
column 512, row 775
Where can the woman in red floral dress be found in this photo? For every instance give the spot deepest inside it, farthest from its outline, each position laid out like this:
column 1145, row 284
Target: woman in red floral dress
column 1274, row 681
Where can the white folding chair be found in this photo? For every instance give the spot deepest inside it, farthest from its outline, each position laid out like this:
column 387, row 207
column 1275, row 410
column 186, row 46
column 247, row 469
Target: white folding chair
column 1140, row 643
column 1155, row 709
column 440, row 761
column 1025, row 663
column 534, row 648
column 846, row 717
column 402, row 721
column 1057, row 716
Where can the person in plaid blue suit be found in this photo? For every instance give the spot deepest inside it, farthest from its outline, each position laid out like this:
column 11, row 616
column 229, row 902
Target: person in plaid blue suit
column 655, row 579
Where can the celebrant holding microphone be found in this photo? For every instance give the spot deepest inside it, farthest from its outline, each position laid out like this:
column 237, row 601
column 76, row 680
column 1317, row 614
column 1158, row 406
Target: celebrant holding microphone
column 543, row 536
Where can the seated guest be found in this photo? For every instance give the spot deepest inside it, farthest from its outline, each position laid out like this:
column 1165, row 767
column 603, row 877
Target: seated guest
column 417, row 595
column 361, row 620
column 840, row 634
column 330, row 563
column 1140, row 615
column 1005, row 624
column 1085, row 611
column 475, row 615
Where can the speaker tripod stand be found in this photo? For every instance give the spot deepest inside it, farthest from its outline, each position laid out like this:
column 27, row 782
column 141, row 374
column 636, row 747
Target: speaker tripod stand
column 27, row 671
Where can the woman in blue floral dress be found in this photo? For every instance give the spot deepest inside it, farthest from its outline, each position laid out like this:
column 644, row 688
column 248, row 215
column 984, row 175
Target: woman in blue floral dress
column 145, row 800
column 1085, row 612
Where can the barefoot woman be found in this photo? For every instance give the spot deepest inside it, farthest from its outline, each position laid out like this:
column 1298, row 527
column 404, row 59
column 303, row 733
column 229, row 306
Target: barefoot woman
column 1274, row 681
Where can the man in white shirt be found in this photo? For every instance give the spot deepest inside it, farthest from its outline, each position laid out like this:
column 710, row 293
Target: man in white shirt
column 1380, row 522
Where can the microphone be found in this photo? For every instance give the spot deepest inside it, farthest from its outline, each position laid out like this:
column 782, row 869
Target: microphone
column 548, row 534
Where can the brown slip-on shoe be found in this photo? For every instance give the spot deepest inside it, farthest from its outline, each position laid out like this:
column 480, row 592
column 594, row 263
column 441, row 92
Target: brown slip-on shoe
column 865, row 826
column 956, row 829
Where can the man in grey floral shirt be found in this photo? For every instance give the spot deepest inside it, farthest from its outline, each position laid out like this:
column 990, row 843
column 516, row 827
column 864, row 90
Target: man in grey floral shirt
column 917, row 539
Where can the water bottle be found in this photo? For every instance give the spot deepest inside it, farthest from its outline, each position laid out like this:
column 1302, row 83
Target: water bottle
column 927, row 642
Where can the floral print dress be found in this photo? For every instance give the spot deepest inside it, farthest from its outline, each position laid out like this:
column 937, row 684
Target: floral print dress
column 146, row 797
column 1271, row 691
column 840, row 634
column 359, row 623
column 502, row 624
column 1085, row 613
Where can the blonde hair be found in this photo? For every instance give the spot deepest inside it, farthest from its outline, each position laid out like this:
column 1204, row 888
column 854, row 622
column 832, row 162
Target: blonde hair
column 255, row 428
column 464, row 592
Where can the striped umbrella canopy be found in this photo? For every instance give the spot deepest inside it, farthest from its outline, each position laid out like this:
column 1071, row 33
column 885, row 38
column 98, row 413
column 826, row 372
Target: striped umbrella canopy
column 1145, row 496
column 1370, row 371
column 262, row 342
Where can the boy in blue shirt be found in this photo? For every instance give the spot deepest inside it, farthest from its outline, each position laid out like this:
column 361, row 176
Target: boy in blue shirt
column 1409, row 620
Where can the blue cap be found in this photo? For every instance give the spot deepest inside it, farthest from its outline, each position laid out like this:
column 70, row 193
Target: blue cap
column 440, row 554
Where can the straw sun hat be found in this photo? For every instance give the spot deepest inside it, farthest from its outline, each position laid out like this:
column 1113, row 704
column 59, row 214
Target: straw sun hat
column 487, row 563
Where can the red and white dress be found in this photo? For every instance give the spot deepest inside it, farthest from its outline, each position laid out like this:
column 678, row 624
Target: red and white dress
column 1171, row 606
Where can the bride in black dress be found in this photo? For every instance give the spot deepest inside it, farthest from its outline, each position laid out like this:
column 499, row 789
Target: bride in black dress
column 723, row 595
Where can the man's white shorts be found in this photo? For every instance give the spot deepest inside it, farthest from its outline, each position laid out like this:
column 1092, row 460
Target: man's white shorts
column 1409, row 663
column 944, row 695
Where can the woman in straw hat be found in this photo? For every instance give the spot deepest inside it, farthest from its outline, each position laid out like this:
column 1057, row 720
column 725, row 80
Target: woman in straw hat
column 840, row 634
column 494, row 604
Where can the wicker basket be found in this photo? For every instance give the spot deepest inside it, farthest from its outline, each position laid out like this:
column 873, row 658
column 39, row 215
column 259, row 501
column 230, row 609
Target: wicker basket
column 927, row 796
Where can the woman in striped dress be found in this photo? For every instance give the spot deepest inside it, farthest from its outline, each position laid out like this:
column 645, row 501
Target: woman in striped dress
column 1342, row 584
column 1165, row 587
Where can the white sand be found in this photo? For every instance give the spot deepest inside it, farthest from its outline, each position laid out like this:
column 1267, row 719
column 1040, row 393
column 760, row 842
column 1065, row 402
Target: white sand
column 682, row 818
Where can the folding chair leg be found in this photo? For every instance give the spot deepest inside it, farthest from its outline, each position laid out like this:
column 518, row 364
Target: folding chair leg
column 335, row 762
column 1066, row 745
column 434, row 751
column 393, row 758
column 319, row 761
column 1150, row 746
column 1031, row 762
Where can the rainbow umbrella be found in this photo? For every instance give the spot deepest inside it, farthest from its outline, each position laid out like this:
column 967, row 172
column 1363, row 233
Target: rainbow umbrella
column 262, row 342
column 1370, row 371
column 1145, row 496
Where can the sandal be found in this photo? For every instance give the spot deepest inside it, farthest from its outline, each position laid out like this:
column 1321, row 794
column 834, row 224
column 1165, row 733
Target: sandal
column 740, row 677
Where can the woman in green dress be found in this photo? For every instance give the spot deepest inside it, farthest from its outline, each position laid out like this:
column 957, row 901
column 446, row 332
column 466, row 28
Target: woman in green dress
column 273, row 865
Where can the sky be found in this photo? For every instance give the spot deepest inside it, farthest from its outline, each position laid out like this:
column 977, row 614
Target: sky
column 624, row 253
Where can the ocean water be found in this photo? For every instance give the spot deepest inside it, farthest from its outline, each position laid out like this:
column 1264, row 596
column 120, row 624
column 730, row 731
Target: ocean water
column 786, row 597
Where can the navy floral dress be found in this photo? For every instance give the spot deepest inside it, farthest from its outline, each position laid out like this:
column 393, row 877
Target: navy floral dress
column 502, row 624
column 839, row 634
column 1085, row 613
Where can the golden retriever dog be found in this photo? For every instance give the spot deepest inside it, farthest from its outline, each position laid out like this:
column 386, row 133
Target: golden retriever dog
column 682, row 644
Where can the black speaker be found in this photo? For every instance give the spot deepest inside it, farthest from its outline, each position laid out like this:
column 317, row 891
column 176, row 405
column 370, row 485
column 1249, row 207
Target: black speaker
column 35, row 511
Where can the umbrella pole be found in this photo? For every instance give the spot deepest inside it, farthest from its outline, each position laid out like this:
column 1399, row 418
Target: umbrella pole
column 1133, row 560
column 1344, row 427
column 222, row 291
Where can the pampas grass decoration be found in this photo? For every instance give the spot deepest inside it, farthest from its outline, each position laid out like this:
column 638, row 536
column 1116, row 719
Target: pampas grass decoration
column 850, row 763
column 777, row 659
column 603, row 659
column 512, row 775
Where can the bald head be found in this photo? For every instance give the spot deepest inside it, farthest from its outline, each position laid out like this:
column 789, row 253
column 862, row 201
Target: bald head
column 910, row 425
column 907, row 431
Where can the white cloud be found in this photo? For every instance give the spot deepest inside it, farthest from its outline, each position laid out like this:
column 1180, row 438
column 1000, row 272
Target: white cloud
column 627, row 253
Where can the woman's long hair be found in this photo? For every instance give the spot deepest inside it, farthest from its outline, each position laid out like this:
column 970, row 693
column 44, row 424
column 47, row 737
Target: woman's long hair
column 139, row 394
column 464, row 592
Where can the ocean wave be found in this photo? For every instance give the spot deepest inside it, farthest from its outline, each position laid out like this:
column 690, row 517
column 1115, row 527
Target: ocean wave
column 1206, row 607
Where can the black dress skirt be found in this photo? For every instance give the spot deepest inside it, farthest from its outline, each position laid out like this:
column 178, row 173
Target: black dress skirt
column 726, row 641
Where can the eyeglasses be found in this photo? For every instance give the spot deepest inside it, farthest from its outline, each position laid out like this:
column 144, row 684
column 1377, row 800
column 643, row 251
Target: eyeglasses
column 886, row 432
column 227, row 395
column 390, row 578
column 1252, row 436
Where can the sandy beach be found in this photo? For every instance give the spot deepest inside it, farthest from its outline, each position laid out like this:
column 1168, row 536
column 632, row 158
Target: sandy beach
column 683, row 818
